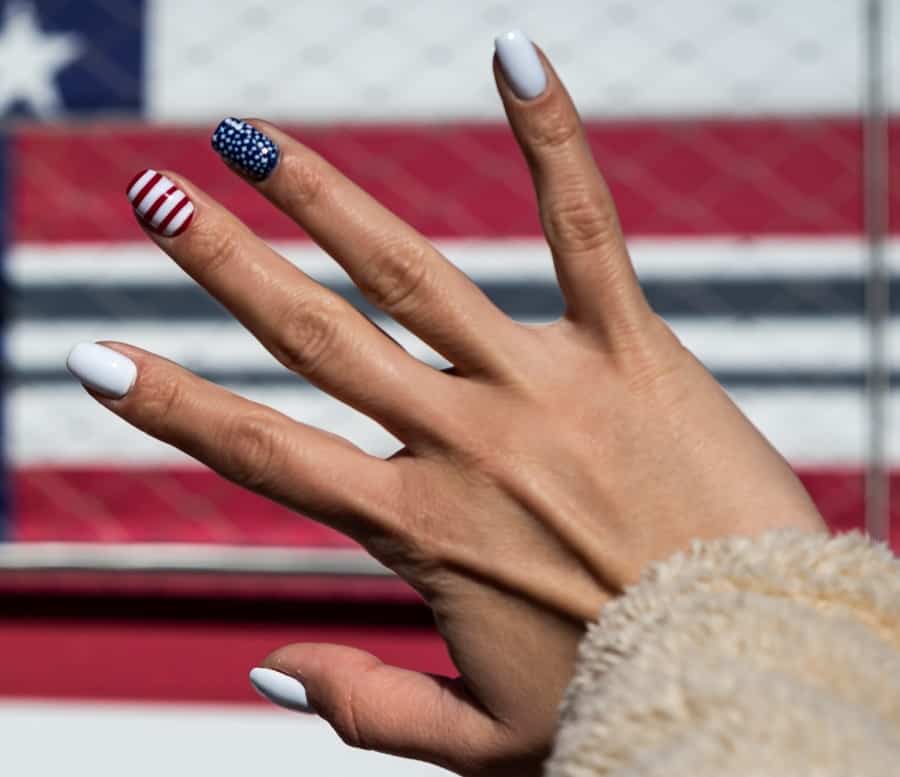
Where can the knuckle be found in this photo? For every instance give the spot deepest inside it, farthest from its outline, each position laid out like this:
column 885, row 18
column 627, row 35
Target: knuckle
column 398, row 272
column 303, row 175
column 162, row 396
column 345, row 718
column 217, row 246
column 249, row 446
column 405, row 524
column 346, row 733
column 306, row 334
column 552, row 129
column 581, row 221
column 344, row 724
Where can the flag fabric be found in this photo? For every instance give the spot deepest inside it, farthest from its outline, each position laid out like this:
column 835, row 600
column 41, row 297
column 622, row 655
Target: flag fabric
column 731, row 136
column 738, row 178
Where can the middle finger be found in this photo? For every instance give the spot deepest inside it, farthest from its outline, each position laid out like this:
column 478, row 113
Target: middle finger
column 391, row 263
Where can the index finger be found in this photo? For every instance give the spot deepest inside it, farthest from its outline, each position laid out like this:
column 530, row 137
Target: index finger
column 577, row 211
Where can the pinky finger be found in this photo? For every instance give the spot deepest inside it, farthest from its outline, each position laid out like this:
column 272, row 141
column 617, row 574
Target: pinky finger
column 252, row 445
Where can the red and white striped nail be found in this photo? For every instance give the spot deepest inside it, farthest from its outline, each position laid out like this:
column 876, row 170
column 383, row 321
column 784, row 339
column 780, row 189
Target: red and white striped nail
column 160, row 204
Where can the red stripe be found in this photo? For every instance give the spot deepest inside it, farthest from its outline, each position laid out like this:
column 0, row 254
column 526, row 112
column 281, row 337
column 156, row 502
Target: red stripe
column 172, row 214
column 147, row 505
column 148, row 216
column 106, row 658
column 678, row 177
column 134, row 180
column 136, row 202
column 195, row 505
column 73, row 651
column 231, row 587
column 184, row 226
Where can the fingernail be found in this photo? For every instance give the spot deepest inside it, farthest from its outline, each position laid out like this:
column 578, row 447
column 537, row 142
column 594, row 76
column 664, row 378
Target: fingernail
column 280, row 689
column 521, row 65
column 159, row 203
column 102, row 369
column 245, row 148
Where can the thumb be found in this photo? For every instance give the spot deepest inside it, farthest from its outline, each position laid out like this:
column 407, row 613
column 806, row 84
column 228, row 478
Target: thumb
column 376, row 706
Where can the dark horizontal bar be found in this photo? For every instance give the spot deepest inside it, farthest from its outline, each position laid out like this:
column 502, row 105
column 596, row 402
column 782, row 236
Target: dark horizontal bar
column 757, row 297
column 280, row 378
column 6, row 200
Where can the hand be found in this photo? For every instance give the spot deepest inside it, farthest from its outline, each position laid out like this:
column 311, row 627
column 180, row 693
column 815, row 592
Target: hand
column 539, row 475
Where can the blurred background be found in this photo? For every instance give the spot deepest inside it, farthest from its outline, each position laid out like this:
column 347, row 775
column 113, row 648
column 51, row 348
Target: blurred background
column 746, row 142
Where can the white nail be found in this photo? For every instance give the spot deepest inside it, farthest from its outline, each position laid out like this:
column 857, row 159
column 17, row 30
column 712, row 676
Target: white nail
column 521, row 64
column 280, row 689
column 102, row 369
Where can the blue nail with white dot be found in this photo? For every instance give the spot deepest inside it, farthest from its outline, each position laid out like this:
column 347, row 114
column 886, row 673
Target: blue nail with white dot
column 245, row 148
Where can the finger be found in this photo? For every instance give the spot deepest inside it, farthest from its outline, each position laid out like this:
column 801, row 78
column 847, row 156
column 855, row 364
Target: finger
column 577, row 211
column 250, row 444
column 308, row 328
column 396, row 268
column 376, row 706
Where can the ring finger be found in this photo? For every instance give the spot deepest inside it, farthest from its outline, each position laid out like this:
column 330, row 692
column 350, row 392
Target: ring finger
column 308, row 328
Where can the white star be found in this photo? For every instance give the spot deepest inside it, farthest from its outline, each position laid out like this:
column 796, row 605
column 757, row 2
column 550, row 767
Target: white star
column 30, row 60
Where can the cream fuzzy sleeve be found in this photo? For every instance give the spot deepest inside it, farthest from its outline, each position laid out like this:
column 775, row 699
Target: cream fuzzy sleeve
column 769, row 657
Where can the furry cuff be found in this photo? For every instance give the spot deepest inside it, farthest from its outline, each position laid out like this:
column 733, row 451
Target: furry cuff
column 771, row 655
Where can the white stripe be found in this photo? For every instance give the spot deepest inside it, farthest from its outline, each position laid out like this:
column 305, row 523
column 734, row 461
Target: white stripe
column 484, row 260
column 828, row 343
column 198, row 346
column 431, row 60
column 167, row 206
column 140, row 184
column 61, row 424
column 181, row 217
column 158, row 190
column 200, row 738
column 185, row 557
column 817, row 427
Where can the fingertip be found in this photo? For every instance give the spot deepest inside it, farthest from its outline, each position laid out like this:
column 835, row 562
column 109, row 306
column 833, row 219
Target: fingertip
column 520, row 65
column 161, row 203
column 246, row 148
column 104, row 370
column 280, row 689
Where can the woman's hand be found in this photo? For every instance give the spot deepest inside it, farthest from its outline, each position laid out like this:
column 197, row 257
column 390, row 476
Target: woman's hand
column 539, row 475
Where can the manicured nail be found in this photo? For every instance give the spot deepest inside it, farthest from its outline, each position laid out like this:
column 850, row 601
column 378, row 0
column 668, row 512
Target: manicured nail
column 521, row 65
column 102, row 369
column 245, row 148
column 159, row 203
column 280, row 689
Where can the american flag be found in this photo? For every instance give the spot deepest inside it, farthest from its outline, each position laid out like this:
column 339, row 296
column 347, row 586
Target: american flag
column 730, row 134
